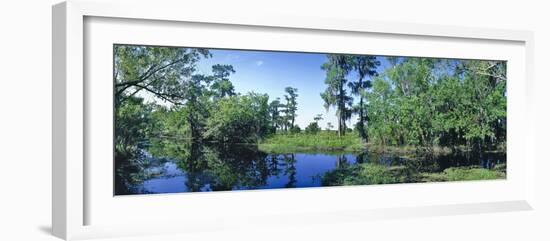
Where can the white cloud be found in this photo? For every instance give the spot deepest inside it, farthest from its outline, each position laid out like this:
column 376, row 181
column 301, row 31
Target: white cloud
column 259, row 63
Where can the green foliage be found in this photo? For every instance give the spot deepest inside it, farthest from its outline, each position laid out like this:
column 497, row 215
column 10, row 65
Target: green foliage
column 312, row 128
column 295, row 129
column 290, row 108
column 426, row 102
column 367, row 174
column 167, row 74
column 168, row 123
column 275, row 115
column 365, row 66
column 216, row 166
column 336, row 95
column 414, row 102
column 221, row 86
column 156, row 70
column 131, row 125
column 186, row 105
column 239, row 119
column 164, row 106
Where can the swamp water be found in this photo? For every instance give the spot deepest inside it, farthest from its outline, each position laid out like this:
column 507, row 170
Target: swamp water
column 201, row 168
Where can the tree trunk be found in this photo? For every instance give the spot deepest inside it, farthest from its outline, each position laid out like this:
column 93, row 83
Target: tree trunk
column 339, row 124
column 342, row 107
column 361, row 123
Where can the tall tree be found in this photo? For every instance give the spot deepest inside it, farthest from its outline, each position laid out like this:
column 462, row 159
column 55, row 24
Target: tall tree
column 260, row 106
column 291, row 105
column 274, row 112
column 239, row 119
column 365, row 66
column 337, row 68
column 221, row 86
column 196, row 105
column 485, row 82
column 164, row 73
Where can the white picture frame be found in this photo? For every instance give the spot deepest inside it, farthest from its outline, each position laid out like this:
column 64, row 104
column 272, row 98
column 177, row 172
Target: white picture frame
column 73, row 186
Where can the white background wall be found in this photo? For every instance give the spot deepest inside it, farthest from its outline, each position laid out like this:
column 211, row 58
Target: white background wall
column 25, row 119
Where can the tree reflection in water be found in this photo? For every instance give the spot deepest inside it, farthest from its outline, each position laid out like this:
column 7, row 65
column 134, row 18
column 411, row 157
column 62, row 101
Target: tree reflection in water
column 199, row 167
column 209, row 166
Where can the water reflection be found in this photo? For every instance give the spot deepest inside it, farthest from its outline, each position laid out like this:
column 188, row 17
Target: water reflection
column 169, row 167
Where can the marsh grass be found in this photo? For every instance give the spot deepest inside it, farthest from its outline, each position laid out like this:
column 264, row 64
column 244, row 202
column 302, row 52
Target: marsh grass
column 464, row 174
column 367, row 174
column 330, row 141
column 302, row 142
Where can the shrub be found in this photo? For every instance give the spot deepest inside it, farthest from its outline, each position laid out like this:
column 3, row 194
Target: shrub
column 295, row 129
column 312, row 128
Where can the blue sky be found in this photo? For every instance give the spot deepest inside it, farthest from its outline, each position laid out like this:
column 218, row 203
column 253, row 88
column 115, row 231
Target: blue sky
column 270, row 72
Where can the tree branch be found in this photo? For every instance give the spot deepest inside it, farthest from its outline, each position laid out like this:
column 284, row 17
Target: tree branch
column 166, row 97
column 150, row 72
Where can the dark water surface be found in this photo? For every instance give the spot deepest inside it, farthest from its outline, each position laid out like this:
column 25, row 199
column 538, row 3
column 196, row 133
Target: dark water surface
column 198, row 168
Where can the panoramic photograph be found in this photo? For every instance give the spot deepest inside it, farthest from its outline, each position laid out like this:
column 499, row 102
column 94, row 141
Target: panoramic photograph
column 192, row 119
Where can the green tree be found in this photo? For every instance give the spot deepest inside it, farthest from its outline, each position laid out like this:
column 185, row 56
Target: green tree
column 313, row 127
column 131, row 126
column 485, row 83
column 425, row 102
column 197, row 105
column 260, row 107
column 365, row 66
column 165, row 73
column 221, row 85
column 239, row 119
column 382, row 111
column 156, row 70
column 274, row 112
column 291, row 106
column 413, row 79
column 337, row 68
column 295, row 129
